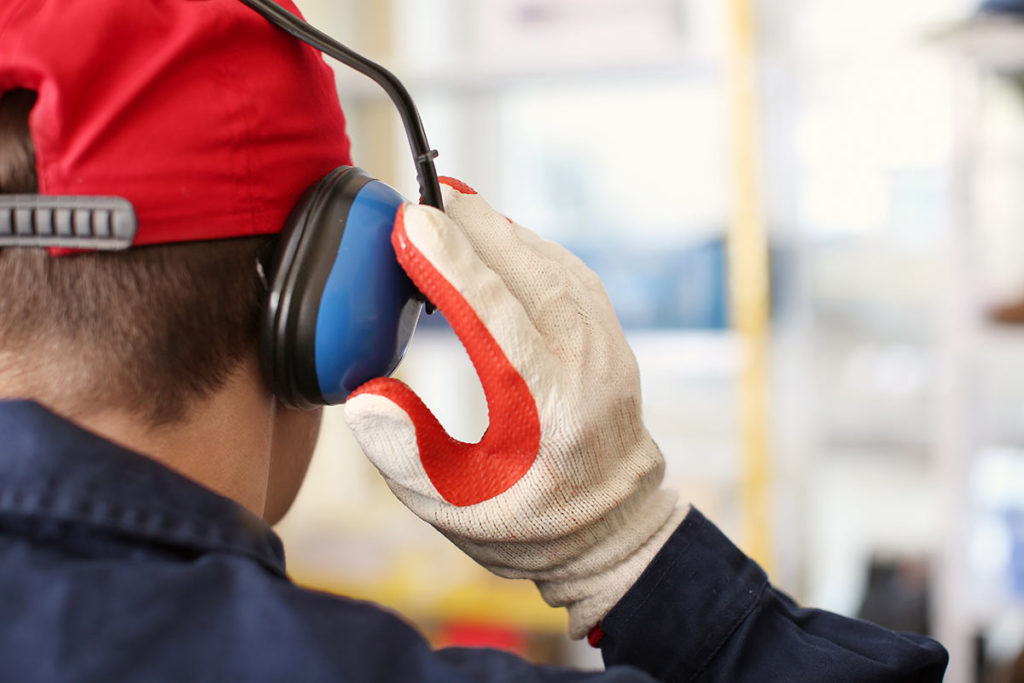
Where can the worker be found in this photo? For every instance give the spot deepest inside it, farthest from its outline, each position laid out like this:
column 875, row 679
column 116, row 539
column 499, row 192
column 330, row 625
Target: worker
column 144, row 453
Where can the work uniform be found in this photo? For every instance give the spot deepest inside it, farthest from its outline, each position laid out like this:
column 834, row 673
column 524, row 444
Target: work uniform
column 115, row 568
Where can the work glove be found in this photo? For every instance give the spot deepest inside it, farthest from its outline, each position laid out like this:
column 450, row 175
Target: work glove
column 563, row 488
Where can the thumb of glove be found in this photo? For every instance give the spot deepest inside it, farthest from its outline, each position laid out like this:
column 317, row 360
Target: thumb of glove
column 387, row 434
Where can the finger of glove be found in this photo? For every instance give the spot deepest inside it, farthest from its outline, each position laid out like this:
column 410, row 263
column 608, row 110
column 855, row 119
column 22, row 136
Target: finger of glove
column 556, row 253
column 558, row 292
column 443, row 264
column 466, row 207
column 564, row 299
column 587, row 279
column 380, row 415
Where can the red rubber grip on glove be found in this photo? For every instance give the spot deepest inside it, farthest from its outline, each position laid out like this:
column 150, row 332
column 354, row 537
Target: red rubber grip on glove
column 463, row 473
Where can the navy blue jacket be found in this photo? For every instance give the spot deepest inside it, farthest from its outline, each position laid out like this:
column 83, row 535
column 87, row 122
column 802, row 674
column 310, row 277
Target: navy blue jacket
column 114, row 568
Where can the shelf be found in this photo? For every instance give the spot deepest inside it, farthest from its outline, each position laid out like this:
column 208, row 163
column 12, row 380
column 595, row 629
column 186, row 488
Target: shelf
column 470, row 76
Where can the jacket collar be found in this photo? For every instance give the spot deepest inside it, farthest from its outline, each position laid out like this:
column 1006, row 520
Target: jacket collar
column 51, row 468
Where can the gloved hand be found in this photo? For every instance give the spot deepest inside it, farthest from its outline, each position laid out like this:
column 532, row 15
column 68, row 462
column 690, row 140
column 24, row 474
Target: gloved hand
column 563, row 488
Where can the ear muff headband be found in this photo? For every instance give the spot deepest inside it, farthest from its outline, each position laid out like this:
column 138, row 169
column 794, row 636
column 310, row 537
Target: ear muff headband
column 423, row 155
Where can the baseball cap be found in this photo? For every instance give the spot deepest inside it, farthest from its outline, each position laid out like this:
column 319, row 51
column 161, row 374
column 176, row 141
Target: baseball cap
column 208, row 119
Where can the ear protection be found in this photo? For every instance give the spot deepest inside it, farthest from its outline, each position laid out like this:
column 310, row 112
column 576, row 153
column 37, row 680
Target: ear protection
column 340, row 309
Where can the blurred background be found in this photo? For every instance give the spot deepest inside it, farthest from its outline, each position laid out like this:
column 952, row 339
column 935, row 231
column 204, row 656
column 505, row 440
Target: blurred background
column 809, row 215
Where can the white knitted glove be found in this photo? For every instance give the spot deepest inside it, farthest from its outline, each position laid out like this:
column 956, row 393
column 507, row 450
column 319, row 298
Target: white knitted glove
column 564, row 486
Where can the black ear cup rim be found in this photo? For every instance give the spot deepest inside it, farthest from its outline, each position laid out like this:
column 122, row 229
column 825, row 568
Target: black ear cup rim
column 298, row 274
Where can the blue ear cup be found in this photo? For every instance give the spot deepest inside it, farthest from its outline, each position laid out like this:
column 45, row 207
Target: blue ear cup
column 340, row 309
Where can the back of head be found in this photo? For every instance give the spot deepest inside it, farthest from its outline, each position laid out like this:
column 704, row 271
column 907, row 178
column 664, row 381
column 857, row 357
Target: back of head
column 212, row 123
column 147, row 331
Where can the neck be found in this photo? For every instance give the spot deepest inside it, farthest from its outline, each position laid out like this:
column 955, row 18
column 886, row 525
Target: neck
column 224, row 442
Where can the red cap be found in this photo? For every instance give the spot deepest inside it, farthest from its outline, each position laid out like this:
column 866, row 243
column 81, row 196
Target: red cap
column 208, row 119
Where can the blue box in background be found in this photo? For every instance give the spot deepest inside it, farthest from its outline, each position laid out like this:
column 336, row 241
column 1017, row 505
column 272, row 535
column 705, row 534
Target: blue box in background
column 682, row 287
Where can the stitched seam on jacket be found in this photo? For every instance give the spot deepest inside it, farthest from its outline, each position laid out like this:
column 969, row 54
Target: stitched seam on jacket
column 732, row 630
column 212, row 537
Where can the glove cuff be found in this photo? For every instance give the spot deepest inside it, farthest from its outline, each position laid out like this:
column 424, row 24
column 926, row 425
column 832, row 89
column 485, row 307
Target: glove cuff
column 589, row 598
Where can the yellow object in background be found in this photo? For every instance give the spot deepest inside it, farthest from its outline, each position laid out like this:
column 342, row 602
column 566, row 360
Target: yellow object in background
column 749, row 283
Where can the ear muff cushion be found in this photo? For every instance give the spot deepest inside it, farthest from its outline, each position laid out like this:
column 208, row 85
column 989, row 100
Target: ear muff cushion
column 340, row 310
column 369, row 306
column 297, row 273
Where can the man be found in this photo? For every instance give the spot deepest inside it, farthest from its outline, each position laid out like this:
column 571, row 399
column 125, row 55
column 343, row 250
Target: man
column 143, row 454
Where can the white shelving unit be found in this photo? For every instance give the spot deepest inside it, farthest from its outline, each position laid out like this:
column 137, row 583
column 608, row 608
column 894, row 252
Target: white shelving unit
column 983, row 365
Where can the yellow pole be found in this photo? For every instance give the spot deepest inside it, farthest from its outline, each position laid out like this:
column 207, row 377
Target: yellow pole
column 749, row 283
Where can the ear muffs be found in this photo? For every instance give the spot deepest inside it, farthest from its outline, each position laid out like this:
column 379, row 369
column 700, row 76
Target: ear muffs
column 340, row 310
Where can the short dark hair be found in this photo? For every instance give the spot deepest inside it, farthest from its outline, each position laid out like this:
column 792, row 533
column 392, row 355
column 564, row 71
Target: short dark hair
column 148, row 330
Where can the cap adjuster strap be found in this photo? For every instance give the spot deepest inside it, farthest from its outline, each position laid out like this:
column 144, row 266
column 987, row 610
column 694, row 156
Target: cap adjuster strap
column 71, row 222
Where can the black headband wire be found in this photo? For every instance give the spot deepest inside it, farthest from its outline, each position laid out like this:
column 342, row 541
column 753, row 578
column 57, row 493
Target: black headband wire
column 423, row 155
